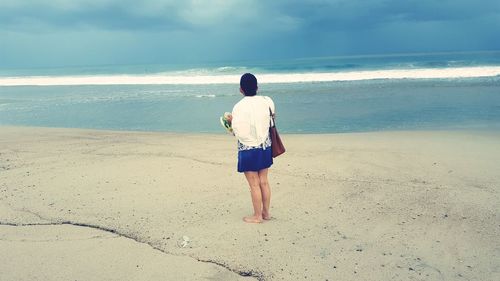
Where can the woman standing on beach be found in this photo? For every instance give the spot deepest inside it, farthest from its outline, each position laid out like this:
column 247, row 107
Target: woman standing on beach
column 251, row 118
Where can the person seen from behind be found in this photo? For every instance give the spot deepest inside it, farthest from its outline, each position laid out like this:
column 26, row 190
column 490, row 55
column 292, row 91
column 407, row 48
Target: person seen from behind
column 251, row 119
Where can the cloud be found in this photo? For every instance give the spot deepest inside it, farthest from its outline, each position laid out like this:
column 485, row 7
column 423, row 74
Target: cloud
column 114, row 31
column 122, row 14
column 281, row 15
column 360, row 14
column 82, row 14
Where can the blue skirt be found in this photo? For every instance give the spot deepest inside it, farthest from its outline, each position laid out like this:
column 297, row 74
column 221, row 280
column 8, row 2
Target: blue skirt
column 255, row 159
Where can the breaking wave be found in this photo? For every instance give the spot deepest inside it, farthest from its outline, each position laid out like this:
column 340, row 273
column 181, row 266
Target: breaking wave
column 219, row 77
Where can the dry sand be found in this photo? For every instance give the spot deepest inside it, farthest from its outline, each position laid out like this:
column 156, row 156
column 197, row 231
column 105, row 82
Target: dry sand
column 98, row 205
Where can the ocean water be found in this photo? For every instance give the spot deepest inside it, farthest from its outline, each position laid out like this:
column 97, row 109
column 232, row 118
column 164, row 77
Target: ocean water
column 315, row 95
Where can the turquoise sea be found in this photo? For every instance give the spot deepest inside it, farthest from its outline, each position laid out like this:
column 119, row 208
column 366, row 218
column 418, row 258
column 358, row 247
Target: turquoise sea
column 467, row 98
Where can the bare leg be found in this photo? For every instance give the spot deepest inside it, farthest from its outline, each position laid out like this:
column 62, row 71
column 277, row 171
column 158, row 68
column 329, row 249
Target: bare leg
column 254, row 183
column 266, row 193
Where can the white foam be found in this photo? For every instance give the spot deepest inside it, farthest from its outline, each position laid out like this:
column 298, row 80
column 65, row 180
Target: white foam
column 173, row 79
column 205, row 96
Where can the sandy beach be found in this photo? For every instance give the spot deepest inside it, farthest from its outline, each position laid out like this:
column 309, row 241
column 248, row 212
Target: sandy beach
column 101, row 205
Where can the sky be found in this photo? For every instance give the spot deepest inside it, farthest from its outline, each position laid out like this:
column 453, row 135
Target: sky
column 54, row 33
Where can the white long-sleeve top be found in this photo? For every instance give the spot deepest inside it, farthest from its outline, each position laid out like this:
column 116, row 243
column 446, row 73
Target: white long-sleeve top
column 251, row 119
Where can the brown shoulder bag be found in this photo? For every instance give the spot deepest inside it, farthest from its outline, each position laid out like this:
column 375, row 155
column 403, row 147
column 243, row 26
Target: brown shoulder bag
column 276, row 144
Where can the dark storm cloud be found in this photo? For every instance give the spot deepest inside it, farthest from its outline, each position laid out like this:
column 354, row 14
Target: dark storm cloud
column 351, row 15
column 106, row 15
column 122, row 31
column 333, row 15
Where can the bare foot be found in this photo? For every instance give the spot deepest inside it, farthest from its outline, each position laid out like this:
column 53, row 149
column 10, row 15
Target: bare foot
column 252, row 219
column 266, row 217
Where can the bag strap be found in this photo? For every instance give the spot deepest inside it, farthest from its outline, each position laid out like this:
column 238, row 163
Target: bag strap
column 272, row 123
